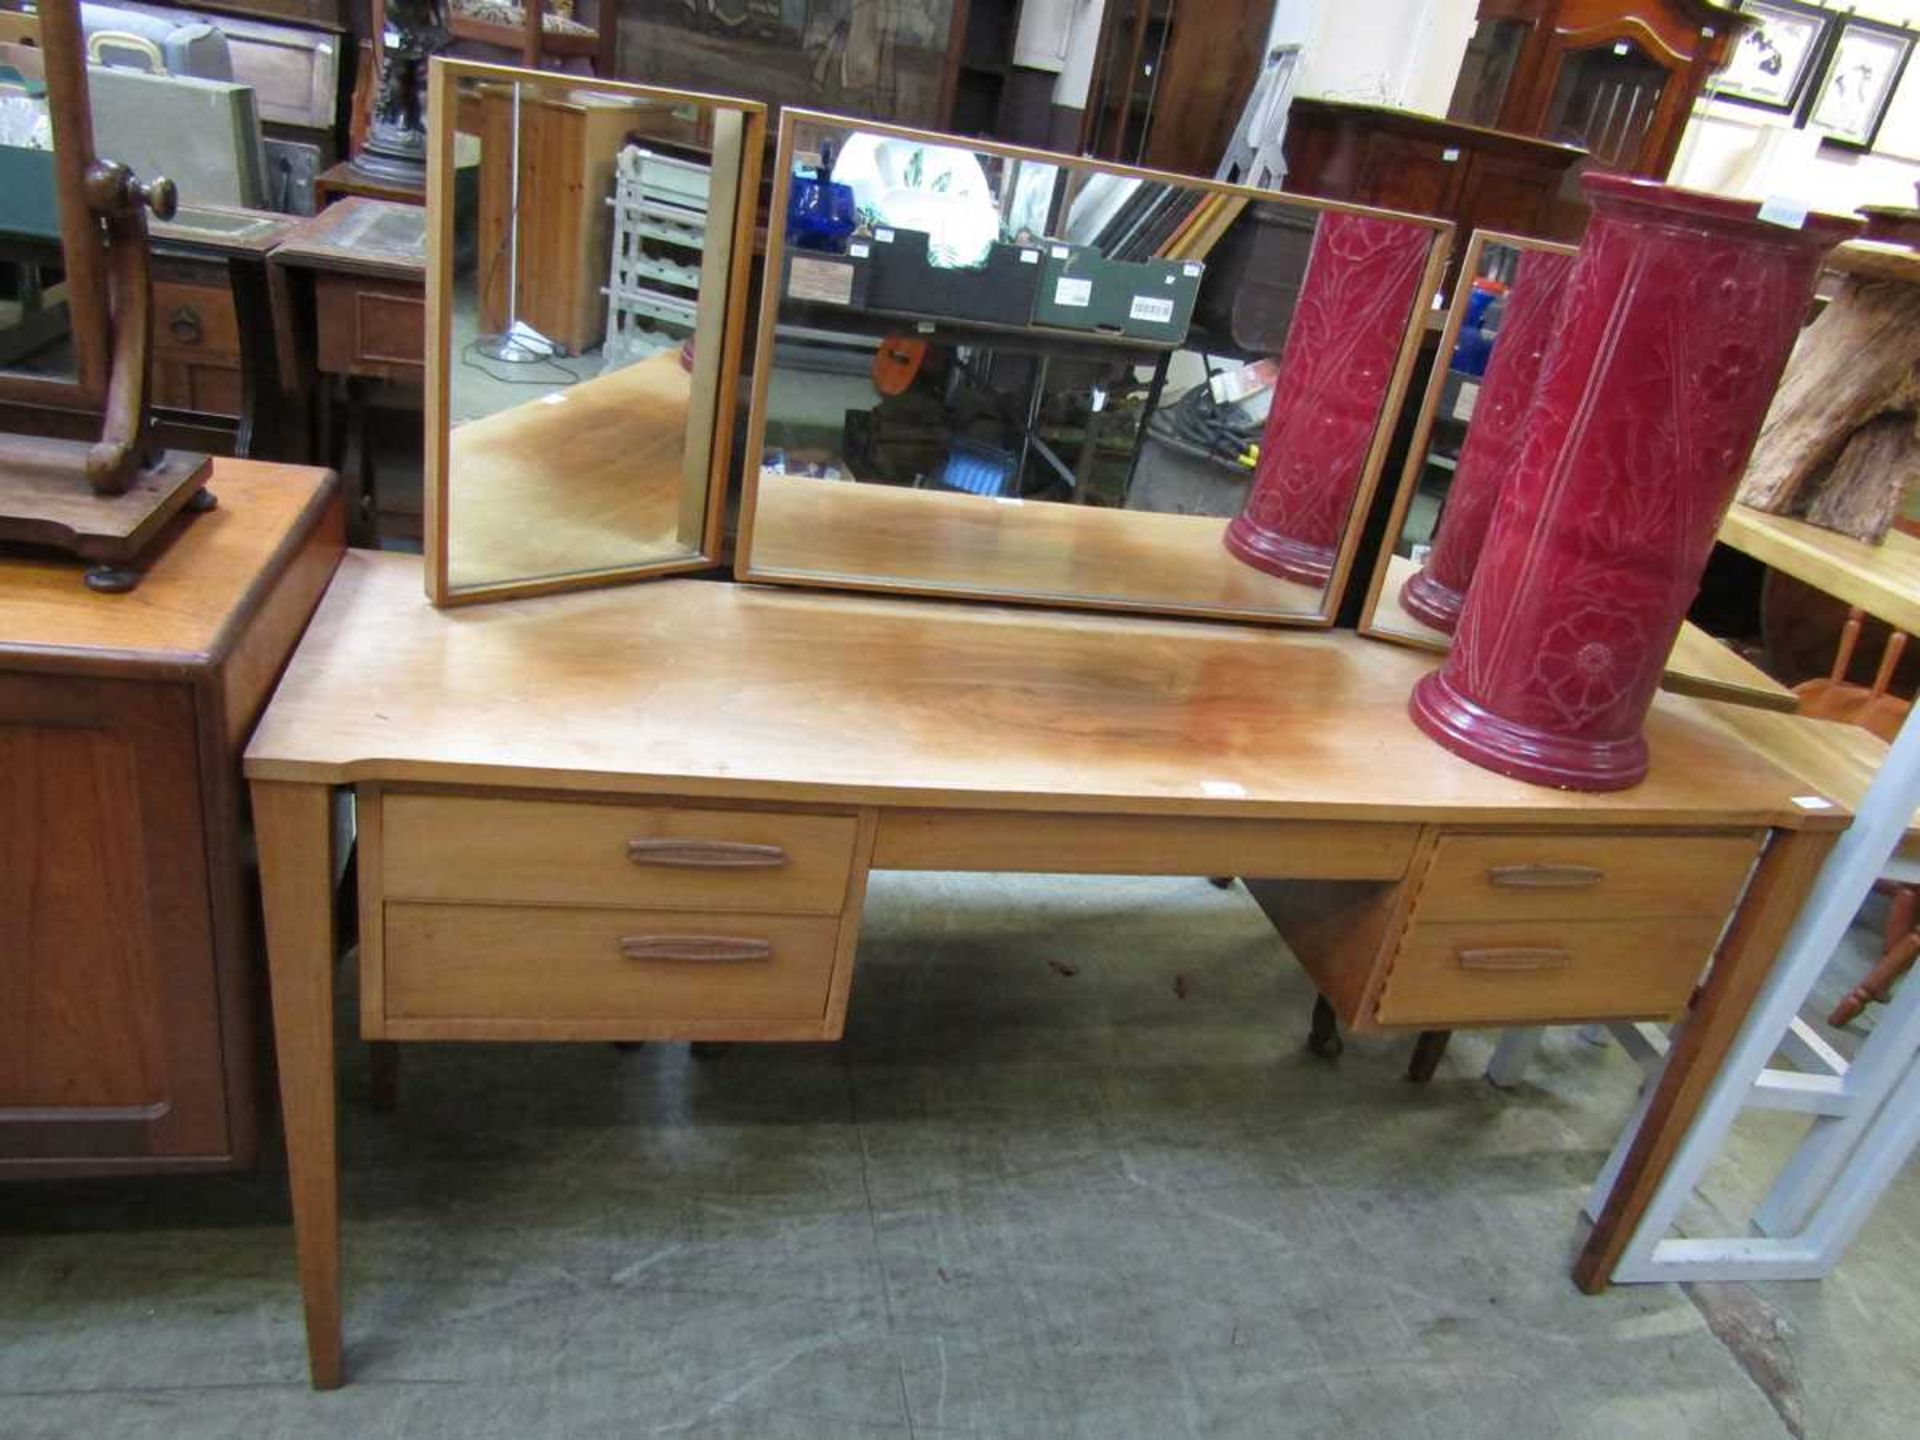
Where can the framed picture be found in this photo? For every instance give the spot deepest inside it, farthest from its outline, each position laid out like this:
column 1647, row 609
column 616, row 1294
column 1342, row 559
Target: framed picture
column 1863, row 67
column 1774, row 59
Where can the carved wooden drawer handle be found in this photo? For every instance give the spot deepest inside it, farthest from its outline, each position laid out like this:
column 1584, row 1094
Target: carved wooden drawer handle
column 1544, row 877
column 706, row 854
column 1514, row 957
column 184, row 325
column 695, row 949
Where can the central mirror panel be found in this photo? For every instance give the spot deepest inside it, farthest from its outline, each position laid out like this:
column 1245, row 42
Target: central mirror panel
column 587, row 285
column 991, row 372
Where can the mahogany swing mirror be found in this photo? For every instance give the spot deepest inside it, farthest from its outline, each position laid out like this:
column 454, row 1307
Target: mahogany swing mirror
column 990, row 372
column 588, row 250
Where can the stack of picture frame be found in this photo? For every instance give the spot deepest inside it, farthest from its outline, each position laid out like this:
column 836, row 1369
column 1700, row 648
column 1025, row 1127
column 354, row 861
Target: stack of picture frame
column 1833, row 72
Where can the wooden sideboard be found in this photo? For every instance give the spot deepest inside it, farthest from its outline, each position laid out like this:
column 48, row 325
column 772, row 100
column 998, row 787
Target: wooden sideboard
column 127, row 950
column 651, row 812
column 1479, row 179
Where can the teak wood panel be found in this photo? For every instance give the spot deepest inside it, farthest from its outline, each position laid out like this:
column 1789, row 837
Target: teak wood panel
column 443, row 847
column 1585, row 877
column 110, row 1016
column 1125, row 845
column 1544, row 971
column 699, row 691
column 499, row 972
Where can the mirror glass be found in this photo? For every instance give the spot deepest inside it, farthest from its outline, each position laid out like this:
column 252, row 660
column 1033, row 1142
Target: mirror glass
column 591, row 255
column 996, row 372
column 36, row 318
column 1483, row 377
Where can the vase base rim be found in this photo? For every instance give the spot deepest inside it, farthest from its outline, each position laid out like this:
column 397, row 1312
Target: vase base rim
column 1430, row 602
column 1279, row 555
column 1523, row 752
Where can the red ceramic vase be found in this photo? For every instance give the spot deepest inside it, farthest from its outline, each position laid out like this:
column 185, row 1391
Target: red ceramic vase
column 1434, row 592
column 1678, row 319
column 1359, row 291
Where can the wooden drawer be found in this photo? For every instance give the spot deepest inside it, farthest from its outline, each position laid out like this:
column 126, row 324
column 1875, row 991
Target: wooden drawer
column 1530, row 972
column 195, row 322
column 450, row 847
column 579, row 973
column 372, row 328
column 1584, row 877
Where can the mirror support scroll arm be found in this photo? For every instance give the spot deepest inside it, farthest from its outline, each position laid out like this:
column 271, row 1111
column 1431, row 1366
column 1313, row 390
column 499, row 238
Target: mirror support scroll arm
column 121, row 203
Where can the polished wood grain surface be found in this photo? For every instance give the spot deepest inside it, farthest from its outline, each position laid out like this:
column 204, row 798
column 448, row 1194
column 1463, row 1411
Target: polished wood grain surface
column 1883, row 579
column 862, row 536
column 196, row 576
column 694, row 688
column 580, row 479
column 1698, row 664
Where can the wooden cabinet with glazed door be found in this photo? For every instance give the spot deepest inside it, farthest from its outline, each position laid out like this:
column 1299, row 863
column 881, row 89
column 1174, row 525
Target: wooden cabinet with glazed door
column 1615, row 77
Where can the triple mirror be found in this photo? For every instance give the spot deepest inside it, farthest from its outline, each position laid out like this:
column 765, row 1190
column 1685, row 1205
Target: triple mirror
column 1466, row 435
column 587, row 275
column 990, row 372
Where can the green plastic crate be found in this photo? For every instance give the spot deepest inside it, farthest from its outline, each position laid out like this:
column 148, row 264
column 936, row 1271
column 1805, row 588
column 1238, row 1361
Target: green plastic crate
column 1080, row 289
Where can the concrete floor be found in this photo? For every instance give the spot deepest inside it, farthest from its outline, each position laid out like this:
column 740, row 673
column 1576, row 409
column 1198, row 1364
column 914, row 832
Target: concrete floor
column 1071, row 1173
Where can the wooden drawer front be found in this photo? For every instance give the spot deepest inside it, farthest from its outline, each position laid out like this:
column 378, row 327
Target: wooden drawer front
column 370, row 327
column 448, row 847
column 195, row 322
column 1584, row 877
column 649, row 974
column 1527, row 972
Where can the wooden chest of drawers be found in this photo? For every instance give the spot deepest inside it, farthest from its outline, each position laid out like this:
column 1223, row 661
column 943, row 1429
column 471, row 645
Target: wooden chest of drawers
column 1515, row 927
column 529, row 918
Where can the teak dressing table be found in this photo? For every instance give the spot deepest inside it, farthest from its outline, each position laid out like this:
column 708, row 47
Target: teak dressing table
column 650, row 813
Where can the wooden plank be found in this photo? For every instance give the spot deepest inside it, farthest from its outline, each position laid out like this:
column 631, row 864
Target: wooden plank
column 1883, row 579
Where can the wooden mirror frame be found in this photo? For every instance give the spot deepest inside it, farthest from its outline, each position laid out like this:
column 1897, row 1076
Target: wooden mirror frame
column 1377, row 593
column 746, row 570
column 443, row 76
column 65, row 56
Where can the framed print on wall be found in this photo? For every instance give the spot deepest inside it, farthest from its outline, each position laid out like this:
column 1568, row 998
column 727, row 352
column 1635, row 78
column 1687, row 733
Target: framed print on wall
column 1776, row 56
column 1862, row 70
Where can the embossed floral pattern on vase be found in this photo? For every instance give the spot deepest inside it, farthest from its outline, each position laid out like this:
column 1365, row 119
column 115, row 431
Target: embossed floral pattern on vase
column 1678, row 319
column 1361, row 285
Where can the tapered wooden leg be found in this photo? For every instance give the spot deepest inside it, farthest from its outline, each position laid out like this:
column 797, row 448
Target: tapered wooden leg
column 1774, row 898
column 1427, row 1053
column 294, row 830
column 1879, row 980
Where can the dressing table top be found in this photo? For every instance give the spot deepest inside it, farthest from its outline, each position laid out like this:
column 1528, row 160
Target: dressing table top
column 702, row 688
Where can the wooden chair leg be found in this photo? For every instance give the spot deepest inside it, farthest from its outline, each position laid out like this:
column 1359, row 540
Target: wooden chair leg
column 1897, row 960
column 1903, row 912
column 1427, row 1051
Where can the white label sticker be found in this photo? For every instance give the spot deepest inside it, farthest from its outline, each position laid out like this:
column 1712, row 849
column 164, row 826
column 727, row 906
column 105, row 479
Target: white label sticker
column 1812, row 802
column 1463, row 403
column 828, row 281
column 1068, row 291
column 1223, row 789
column 925, row 327
column 1007, row 500
column 1192, row 272
column 1059, row 252
column 1450, row 154
column 885, row 237
column 1029, row 257
column 1783, row 210
column 858, row 249
column 1152, row 308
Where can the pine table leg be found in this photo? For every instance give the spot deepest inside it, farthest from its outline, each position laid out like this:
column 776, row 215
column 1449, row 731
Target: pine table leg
column 293, row 824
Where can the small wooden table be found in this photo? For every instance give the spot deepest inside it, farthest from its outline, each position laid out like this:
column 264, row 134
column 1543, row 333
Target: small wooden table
column 650, row 813
column 350, row 296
